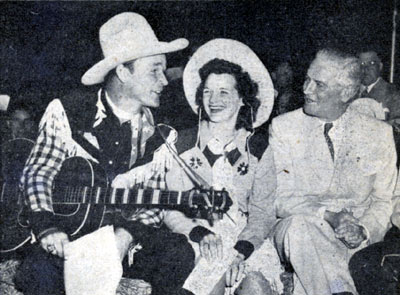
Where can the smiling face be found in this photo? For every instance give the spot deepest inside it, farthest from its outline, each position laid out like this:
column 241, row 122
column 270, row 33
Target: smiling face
column 322, row 93
column 147, row 80
column 221, row 99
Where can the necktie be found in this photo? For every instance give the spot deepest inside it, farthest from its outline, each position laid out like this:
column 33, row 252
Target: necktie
column 328, row 127
column 364, row 94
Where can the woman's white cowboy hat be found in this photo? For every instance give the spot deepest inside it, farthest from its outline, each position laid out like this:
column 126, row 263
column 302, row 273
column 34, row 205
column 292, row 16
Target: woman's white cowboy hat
column 237, row 53
column 125, row 37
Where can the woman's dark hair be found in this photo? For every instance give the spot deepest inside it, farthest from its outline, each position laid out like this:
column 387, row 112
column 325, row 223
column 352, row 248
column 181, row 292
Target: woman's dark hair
column 246, row 87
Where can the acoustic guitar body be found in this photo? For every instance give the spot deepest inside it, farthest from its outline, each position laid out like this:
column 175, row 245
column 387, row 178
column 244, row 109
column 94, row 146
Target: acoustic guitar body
column 77, row 175
column 14, row 227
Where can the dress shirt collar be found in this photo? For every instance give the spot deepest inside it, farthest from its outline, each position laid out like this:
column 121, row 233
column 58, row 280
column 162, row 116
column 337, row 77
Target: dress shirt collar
column 369, row 87
column 336, row 123
column 122, row 115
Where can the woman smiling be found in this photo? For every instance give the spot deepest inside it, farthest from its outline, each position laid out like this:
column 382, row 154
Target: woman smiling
column 231, row 90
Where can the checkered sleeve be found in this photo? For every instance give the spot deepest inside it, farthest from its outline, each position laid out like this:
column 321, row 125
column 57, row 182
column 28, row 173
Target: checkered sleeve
column 46, row 158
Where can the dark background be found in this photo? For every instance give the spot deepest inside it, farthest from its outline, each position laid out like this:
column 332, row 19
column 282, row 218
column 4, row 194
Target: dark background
column 45, row 47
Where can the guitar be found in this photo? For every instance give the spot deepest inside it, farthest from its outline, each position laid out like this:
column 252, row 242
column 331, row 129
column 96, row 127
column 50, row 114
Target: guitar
column 14, row 230
column 81, row 196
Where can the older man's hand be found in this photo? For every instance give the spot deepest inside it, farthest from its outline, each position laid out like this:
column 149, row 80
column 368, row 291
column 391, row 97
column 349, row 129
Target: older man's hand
column 351, row 234
column 336, row 219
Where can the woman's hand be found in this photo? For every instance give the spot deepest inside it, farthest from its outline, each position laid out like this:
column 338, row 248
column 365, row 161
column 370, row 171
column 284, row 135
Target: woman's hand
column 235, row 271
column 211, row 247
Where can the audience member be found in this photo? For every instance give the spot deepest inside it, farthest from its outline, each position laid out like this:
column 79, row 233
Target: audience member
column 374, row 86
column 21, row 123
column 286, row 99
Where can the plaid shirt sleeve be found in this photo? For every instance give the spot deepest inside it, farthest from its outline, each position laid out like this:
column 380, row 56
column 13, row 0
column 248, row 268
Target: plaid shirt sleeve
column 46, row 157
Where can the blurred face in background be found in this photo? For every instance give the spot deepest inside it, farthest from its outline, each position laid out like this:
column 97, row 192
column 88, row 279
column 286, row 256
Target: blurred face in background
column 21, row 124
column 283, row 75
column 371, row 67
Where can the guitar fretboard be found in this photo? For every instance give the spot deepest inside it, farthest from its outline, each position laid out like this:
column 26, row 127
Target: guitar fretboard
column 120, row 196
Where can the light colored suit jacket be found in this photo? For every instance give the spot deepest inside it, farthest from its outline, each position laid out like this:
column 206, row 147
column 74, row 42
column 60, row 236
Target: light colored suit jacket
column 361, row 179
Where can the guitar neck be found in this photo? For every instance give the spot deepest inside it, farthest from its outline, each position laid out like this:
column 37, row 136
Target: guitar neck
column 120, row 196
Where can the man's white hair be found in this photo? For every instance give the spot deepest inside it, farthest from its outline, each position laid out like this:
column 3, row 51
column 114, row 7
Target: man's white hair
column 347, row 66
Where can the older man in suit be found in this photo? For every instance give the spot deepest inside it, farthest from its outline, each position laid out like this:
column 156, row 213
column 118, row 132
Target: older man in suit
column 331, row 191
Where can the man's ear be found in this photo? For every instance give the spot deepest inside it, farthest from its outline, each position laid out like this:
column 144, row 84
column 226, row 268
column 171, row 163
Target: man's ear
column 380, row 66
column 122, row 73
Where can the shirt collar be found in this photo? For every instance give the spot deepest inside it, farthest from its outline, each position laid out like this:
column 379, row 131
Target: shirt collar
column 122, row 115
column 337, row 123
column 369, row 87
column 238, row 142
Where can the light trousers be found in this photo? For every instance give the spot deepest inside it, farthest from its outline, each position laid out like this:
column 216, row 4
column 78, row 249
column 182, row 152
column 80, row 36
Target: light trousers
column 319, row 259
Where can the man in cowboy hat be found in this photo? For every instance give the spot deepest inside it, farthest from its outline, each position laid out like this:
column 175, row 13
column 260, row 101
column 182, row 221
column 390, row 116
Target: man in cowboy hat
column 114, row 127
column 330, row 194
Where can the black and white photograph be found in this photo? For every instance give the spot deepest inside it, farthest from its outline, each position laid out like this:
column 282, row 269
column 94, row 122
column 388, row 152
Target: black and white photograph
column 200, row 147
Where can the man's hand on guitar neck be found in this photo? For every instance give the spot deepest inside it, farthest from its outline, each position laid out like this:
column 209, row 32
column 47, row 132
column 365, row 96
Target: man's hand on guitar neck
column 54, row 243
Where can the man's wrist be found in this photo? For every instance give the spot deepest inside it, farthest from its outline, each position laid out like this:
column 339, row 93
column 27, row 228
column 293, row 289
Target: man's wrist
column 244, row 248
column 198, row 233
column 47, row 232
column 328, row 216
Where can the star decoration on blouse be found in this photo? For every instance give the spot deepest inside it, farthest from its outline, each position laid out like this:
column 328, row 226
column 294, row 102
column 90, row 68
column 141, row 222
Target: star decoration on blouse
column 243, row 168
column 146, row 129
column 195, row 162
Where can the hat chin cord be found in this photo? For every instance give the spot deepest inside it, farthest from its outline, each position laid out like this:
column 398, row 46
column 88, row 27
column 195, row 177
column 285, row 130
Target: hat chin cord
column 251, row 134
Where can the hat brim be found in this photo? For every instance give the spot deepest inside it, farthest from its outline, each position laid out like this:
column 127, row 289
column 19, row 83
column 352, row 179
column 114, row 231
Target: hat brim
column 97, row 73
column 237, row 53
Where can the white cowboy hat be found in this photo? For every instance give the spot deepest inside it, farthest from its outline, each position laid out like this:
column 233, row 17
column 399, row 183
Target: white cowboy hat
column 125, row 37
column 237, row 53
